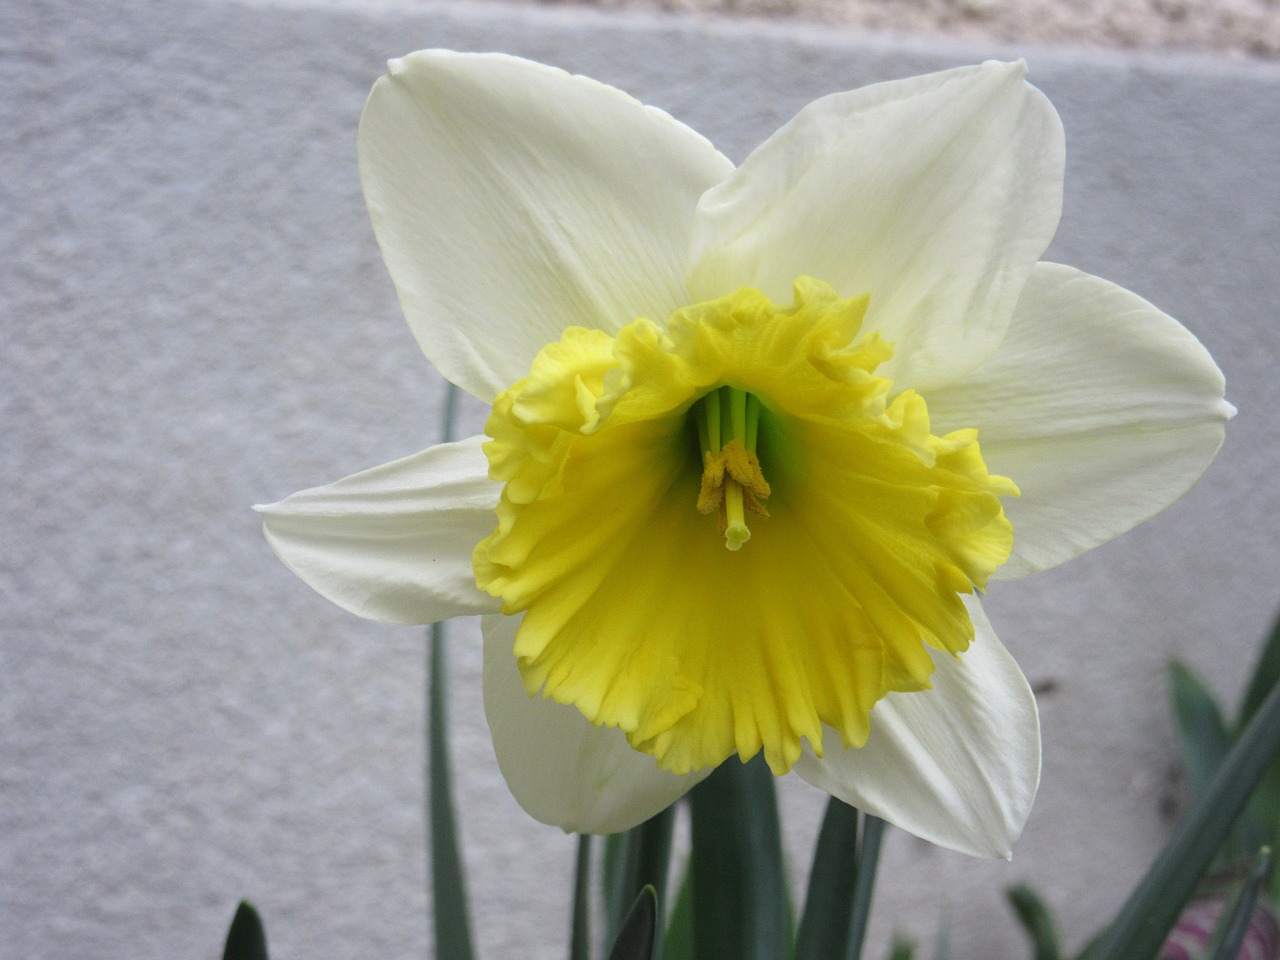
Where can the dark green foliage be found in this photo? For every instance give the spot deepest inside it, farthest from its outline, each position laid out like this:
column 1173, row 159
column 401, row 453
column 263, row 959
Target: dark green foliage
column 247, row 939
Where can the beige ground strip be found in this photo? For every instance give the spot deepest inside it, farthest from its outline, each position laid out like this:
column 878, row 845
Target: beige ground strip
column 1244, row 28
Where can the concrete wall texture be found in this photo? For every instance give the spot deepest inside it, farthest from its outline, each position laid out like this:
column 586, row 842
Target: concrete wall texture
column 195, row 318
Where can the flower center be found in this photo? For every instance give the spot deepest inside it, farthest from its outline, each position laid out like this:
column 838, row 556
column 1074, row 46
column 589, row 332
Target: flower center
column 733, row 484
column 875, row 527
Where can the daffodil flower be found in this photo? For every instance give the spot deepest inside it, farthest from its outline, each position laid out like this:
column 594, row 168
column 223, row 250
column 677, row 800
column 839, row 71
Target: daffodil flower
column 759, row 435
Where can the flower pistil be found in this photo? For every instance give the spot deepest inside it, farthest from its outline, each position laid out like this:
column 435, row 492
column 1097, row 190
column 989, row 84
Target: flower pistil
column 733, row 483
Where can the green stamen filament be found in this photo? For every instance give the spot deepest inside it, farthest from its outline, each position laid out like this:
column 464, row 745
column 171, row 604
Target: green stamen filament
column 753, row 421
column 712, row 403
column 732, row 481
column 738, row 413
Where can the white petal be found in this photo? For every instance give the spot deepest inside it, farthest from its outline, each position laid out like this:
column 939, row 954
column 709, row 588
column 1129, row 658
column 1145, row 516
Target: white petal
column 394, row 543
column 957, row 765
column 563, row 770
column 512, row 200
column 935, row 195
column 1101, row 408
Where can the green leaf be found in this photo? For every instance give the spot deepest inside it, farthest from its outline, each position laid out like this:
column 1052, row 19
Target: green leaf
column 1144, row 921
column 1264, row 819
column 828, row 906
column 1236, row 919
column 638, row 934
column 448, row 888
column 1087, row 952
column 613, row 869
column 1263, row 825
column 678, row 944
column 580, row 931
column 1202, row 731
column 679, row 938
column 1265, row 676
column 641, row 858
column 1036, row 920
column 868, row 862
column 902, row 949
column 740, row 905
column 653, row 857
column 247, row 939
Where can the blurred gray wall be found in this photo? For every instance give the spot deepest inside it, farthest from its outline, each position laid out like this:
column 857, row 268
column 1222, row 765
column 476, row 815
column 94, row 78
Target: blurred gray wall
column 195, row 319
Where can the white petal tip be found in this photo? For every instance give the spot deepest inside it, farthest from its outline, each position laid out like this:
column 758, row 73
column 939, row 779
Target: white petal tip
column 1018, row 66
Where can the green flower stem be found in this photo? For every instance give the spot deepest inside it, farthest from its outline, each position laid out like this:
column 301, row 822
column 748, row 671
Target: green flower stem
column 1153, row 907
column 741, row 909
column 449, row 895
column 580, row 931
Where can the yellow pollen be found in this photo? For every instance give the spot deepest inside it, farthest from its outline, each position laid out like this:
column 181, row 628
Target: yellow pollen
column 733, row 483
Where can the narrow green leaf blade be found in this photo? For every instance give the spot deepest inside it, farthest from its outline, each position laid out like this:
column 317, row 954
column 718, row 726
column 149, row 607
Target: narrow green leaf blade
column 653, row 858
column 1263, row 824
column 828, row 907
column 740, row 905
column 902, row 949
column 580, row 931
column 1088, row 951
column 1202, row 732
column 247, row 938
column 1036, row 920
column 678, row 943
column 868, row 862
column 1266, row 674
column 614, row 870
column 448, row 887
column 638, row 935
column 641, row 858
column 1235, row 923
column 1152, row 908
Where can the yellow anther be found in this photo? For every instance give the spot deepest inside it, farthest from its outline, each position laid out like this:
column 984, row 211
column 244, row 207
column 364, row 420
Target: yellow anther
column 744, row 466
column 711, row 493
column 733, row 485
